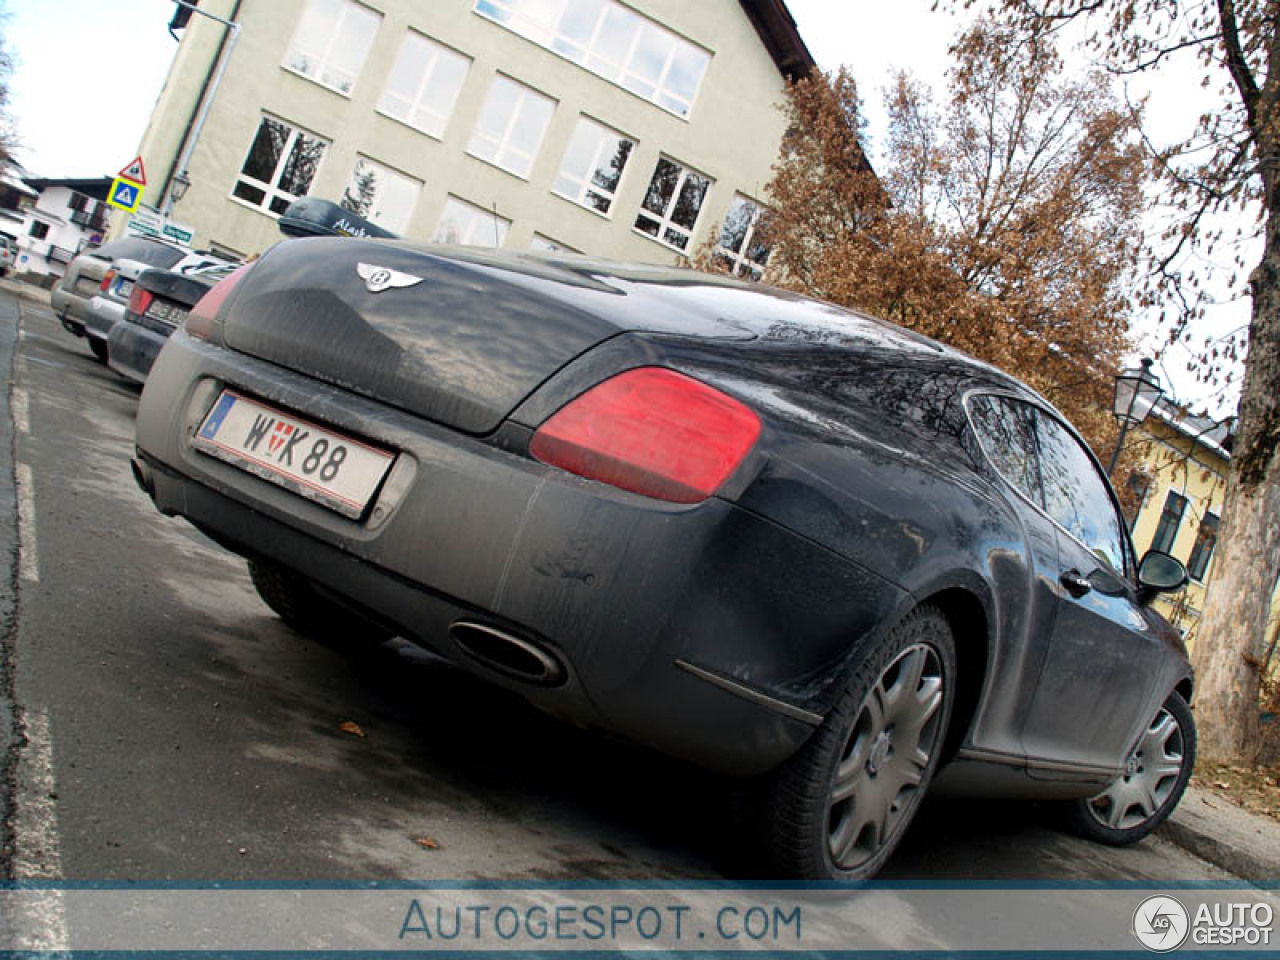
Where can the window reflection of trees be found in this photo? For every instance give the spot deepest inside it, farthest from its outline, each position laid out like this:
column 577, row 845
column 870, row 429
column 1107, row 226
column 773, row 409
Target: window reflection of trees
column 1075, row 495
column 1007, row 430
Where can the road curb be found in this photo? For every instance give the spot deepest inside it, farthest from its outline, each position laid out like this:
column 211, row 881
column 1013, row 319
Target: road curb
column 26, row 291
column 1215, row 829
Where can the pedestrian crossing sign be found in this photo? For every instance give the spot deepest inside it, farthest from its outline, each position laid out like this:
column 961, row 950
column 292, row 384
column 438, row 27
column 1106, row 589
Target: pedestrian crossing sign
column 125, row 194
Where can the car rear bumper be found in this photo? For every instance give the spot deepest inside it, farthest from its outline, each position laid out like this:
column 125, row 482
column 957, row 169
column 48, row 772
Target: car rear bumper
column 133, row 350
column 102, row 315
column 705, row 631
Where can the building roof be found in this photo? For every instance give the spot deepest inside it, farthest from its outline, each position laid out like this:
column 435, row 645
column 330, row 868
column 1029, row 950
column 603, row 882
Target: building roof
column 1213, row 435
column 95, row 187
column 778, row 32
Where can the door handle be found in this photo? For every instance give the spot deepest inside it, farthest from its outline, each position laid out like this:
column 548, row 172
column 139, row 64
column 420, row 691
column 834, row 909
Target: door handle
column 1076, row 584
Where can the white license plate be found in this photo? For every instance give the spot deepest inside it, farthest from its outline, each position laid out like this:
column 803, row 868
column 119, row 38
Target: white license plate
column 333, row 470
column 123, row 288
column 170, row 313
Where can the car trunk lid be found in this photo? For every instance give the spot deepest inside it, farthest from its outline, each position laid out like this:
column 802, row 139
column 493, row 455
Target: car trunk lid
column 458, row 336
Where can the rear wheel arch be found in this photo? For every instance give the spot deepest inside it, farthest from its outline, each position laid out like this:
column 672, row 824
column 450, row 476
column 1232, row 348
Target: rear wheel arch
column 1185, row 688
column 970, row 627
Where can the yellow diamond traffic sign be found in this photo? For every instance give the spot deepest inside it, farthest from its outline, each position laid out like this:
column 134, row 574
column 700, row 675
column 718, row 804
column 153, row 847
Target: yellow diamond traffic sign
column 125, row 194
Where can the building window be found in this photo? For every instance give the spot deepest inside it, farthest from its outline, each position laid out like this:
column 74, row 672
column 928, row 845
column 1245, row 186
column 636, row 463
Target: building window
column 738, row 250
column 592, row 166
column 511, row 124
column 78, row 202
column 546, row 244
column 281, row 164
column 671, row 204
column 1175, row 505
column 380, row 195
column 331, row 41
column 39, row 230
column 613, row 41
column 1202, row 552
column 424, row 84
column 472, row 226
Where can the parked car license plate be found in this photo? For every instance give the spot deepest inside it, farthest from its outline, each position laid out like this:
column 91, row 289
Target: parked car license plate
column 122, row 288
column 170, row 313
column 329, row 468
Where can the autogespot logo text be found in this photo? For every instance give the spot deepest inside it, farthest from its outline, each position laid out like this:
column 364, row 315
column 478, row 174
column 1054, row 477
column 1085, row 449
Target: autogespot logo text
column 1161, row 924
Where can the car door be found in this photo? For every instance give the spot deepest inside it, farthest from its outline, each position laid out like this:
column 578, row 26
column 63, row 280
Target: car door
column 1024, row 575
column 1098, row 685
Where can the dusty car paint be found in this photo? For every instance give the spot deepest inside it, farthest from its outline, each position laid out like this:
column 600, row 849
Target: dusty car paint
column 723, row 631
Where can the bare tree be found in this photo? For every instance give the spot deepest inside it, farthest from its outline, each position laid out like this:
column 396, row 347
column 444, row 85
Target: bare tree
column 1229, row 164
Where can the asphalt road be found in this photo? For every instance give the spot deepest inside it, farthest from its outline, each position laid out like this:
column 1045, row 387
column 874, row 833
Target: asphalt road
column 174, row 729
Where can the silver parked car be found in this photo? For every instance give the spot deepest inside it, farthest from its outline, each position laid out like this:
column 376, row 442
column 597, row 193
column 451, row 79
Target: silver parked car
column 8, row 253
column 83, row 281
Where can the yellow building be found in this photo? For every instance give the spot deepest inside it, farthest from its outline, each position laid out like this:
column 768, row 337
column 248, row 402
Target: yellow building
column 1186, row 460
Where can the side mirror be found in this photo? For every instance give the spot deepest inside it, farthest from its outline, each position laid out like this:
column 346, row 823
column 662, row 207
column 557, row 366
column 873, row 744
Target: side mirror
column 1160, row 573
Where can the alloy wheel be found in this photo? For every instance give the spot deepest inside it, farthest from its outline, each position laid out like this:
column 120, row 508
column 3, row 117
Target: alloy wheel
column 878, row 779
column 1151, row 774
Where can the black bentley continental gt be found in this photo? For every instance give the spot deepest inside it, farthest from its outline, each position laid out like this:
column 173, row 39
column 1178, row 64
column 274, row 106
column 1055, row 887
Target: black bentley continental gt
column 765, row 534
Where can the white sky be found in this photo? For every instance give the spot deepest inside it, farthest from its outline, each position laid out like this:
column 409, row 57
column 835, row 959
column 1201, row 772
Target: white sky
column 87, row 73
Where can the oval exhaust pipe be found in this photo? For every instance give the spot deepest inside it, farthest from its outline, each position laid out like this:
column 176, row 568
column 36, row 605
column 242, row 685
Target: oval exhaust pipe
column 507, row 654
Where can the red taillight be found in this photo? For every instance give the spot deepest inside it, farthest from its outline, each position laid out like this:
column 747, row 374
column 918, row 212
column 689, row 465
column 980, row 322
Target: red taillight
column 651, row 431
column 199, row 322
column 139, row 300
column 106, row 280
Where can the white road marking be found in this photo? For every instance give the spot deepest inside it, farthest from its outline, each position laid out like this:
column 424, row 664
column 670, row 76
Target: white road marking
column 21, row 406
column 43, row 923
column 28, row 557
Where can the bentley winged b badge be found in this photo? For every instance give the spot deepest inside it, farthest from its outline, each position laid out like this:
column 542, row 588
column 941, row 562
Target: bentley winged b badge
column 378, row 278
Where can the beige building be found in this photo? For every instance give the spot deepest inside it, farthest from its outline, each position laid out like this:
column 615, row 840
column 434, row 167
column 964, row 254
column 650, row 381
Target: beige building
column 631, row 130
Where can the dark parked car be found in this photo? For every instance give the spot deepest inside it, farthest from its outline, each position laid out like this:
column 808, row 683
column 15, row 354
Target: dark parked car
column 159, row 301
column 765, row 534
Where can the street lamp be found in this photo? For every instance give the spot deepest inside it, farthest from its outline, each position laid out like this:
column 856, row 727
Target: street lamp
column 1137, row 391
column 178, row 186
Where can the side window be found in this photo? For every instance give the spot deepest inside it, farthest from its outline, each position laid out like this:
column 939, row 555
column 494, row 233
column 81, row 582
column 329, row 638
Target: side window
column 1075, row 494
column 1006, row 429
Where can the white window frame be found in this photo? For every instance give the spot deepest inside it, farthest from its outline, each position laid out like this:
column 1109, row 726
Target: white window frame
column 272, row 190
column 437, row 53
column 585, row 184
column 514, row 16
column 740, row 263
column 665, row 222
column 481, row 219
column 386, row 175
column 526, row 95
column 334, row 40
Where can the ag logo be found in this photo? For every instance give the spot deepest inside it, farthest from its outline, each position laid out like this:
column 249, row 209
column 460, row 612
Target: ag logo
column 378, row 278
column 1161, row 924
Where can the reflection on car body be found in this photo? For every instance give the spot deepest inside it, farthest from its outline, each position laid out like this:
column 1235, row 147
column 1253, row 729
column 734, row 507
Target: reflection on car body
column 764, row 534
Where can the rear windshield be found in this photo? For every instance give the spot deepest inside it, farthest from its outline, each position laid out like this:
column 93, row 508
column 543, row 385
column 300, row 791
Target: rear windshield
column 147, row 251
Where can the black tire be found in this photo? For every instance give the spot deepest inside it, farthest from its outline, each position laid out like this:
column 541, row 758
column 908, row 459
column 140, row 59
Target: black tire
column 1157, row 773
column 99, row 348
column 299, row 604
column 882, row 749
